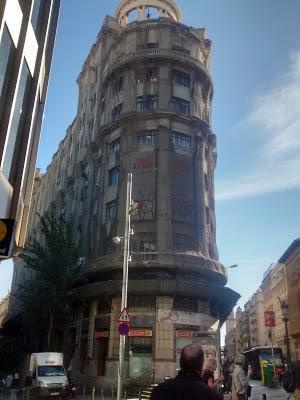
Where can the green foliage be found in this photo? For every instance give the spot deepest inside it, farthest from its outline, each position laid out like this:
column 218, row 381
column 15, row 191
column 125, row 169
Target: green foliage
column 46, row 299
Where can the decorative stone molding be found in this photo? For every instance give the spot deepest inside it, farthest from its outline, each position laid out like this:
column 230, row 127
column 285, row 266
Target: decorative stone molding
column 166, row 9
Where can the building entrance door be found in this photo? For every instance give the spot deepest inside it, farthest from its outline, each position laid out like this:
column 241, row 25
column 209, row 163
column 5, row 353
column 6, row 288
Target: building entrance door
column 102, row 355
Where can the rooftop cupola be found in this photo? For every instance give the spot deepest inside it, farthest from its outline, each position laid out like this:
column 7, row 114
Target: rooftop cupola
column 141, row 10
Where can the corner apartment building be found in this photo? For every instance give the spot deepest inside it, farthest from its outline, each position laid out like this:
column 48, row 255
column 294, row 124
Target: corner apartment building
column 145, row 94
column 291, row 260
column 27, row 33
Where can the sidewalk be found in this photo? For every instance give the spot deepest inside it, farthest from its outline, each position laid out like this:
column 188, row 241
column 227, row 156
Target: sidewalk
column 258, row 390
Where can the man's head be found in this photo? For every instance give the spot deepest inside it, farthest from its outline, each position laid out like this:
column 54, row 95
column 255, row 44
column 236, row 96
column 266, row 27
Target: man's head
column 192, row 359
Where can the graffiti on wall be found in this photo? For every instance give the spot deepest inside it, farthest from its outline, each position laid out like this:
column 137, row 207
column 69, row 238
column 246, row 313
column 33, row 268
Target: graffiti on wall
column 182, row 206
column 146, row 200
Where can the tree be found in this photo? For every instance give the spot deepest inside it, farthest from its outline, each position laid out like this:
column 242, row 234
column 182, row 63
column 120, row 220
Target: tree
column 46, row 298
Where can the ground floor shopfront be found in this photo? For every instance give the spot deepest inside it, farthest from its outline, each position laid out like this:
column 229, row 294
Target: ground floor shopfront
column 160, row 327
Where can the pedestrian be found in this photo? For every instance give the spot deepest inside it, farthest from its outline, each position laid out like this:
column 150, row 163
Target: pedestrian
column 240, row 380
column 187, row 385
column 9, row 380
column 227, row 376
column 208, row 374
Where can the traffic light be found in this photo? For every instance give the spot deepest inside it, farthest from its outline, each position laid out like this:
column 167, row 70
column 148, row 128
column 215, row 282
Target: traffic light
column 6, row 235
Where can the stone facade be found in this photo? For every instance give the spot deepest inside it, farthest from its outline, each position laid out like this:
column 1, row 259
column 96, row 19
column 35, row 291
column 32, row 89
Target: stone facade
column 144, row 106
column 291, row 260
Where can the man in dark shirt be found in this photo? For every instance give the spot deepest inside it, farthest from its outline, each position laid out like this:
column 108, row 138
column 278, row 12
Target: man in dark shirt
column 188, row 384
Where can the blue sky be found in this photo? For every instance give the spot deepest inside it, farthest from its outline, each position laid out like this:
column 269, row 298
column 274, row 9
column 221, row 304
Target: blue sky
column 256, row 117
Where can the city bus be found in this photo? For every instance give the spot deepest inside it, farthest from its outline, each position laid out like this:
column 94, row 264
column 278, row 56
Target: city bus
column 260, row 355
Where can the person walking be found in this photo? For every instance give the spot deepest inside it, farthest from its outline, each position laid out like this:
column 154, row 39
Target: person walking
column 240, row 381
column 187, row 385
column 208, row 374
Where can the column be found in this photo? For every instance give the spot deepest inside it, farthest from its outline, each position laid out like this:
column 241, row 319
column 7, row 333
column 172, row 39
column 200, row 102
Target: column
column 91, row 334
column 164, row 342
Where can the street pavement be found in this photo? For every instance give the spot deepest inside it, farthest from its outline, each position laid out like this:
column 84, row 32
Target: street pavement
column 258, row 390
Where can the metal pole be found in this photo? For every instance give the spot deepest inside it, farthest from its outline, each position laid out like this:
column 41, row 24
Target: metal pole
column 124, row 284
column 287, row 343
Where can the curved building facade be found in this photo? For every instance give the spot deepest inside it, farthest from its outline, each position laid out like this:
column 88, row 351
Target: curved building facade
column 145, row 95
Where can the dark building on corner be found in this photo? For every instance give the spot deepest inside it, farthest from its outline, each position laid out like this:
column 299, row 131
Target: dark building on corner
column 145, row 95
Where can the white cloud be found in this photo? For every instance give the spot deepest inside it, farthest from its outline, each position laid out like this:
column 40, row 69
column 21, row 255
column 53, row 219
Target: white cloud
column 275, row 118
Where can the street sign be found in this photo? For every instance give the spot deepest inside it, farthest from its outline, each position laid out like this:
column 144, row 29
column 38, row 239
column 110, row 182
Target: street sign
column 124, row 316
column 123, row 328
column 6, row 235
column 269, row 319
column 140, row 332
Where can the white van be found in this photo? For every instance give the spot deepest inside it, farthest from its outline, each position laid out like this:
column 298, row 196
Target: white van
column 48, row 374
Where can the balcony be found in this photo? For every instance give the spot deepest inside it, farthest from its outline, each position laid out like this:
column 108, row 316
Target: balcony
column 154, row 53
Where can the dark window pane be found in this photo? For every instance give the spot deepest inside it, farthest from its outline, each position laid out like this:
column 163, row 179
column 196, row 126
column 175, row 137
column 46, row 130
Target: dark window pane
column 18, row 119
column 181, row 140
column 7, row 51
column 36, row 15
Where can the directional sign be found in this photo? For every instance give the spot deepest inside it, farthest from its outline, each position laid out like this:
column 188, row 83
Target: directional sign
column 124, row 316
column 123, row 328
column 6, row 236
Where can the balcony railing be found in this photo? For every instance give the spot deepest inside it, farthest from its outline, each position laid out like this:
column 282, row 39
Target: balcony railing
column 156, row 52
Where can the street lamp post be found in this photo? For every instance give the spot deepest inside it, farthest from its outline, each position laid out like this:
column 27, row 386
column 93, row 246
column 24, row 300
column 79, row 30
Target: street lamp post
column 285, row 318
column 126, row 239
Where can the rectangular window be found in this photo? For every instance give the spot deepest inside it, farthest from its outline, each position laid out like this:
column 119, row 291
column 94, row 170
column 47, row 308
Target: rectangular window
column 117, row 111
column 152, row 45
column 7, row 51
column 146, row 138
column 16, row 129
column 111, row 210
column 118, row 85
column 182, row 140
column 206, row 183
column 180, row 106
column 149, row 74
column 180, row 78
column 144, row 243
column 182, row 243
column 152, row 74
column 114, row 147
column 146, row 103
column 37, row 15
column 181, row 50
column 113, row 176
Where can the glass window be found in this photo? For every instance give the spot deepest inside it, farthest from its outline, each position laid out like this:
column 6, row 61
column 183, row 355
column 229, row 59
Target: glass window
column 181, row 50
column 7, row 51
column 147, row 137
column 146, row 103
column 111, row 210
column 149, row 74
column 114, row 147
column 182, row 243
column 181, row 140
column 118, row 85
column 15, row 133
column 36, row 15
column 180, row 78
column 144, row 243
column 117, row 111
column 180, row 106
column 113, row 176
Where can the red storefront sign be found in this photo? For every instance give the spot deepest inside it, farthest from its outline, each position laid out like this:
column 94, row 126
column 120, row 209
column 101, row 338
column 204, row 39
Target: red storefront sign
column 184, row 334
column 140, row 333
column 270, row 319
column 101, row 334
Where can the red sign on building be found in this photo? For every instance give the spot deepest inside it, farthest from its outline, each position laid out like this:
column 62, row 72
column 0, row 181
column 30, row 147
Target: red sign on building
column 270, row 319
